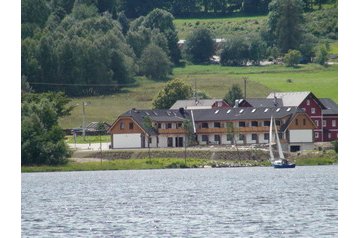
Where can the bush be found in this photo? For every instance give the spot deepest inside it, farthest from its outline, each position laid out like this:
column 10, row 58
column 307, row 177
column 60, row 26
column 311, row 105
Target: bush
column 292, row 58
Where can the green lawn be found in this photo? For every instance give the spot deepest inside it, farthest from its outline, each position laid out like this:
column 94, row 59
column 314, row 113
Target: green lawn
column 215, row 80
column 220, row 27
column 88, row 139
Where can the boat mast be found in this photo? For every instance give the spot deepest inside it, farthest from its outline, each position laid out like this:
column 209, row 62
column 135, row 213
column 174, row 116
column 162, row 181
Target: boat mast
column 278, row 142
column 271, row 141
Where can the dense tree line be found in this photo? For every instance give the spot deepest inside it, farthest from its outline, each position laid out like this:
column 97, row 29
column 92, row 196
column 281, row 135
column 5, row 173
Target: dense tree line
column 87, row 47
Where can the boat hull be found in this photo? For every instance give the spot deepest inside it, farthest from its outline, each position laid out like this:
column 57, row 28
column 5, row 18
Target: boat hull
column 284, row 166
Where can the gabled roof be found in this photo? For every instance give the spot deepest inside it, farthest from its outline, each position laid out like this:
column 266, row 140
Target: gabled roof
column 156, row 115
column 294, row 99
column 263, row 102
column 332, row 107
column 191, row 103
column 243, row 113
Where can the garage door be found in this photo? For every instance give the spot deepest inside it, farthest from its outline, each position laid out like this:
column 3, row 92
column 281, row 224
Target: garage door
column 127, row 141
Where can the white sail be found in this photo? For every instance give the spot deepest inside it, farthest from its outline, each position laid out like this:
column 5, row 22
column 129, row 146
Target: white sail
column 278, row 143
column 270, row 142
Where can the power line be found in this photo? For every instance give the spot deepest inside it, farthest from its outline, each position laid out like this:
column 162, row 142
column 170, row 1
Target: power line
column 79, row 84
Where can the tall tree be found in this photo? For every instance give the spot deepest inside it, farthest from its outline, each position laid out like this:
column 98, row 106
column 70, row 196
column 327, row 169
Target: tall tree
column 42, row 140
column 199, row 46
column 233, row 94
column 285, row 23
column 163, row 20
column 154, row 63
column 174, row 90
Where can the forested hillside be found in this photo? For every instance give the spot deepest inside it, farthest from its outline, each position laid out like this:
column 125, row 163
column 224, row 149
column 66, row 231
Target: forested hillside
column 93, row 47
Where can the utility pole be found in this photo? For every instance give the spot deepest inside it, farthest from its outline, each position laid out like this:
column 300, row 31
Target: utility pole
column 83, row 121
column 245, row 79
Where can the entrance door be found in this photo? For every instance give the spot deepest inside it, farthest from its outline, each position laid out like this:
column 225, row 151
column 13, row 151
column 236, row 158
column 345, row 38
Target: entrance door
column 180, row 142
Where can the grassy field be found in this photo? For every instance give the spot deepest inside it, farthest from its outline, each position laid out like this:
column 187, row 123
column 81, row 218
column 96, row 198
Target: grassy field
column 220, row 27
column 88, row 139
column 215, row 80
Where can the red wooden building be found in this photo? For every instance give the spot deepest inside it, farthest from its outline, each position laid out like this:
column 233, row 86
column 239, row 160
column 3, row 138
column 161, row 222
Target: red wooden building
column 323, row 112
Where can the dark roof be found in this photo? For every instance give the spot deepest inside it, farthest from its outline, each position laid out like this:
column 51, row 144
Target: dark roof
column 263, row 102
column 243, row 113
column 228, row 114
column 332, row 107
column 158, row 115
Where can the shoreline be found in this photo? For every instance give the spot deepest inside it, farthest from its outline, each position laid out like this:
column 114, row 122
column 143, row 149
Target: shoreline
column 168, row 159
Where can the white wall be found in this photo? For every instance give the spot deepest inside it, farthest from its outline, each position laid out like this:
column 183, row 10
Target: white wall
column 301, row 136
column 127, row 141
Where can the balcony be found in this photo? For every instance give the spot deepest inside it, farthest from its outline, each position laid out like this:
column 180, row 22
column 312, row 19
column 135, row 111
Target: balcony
column 172, row 131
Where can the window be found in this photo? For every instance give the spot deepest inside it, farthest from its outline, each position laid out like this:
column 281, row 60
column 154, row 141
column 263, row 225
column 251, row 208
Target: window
column 334, row 123
column 131, row 125
column 266, row 123
column 296, row 121
column 150, row 140
column 266, row 136
column 254, row 123
column 329, row 135
column 159, row 125
column 278, row 122
column 179, row 125
column 204, row 138
column 241, row 137
column 169, row 125
column 308, row 102
column 313, row 110
column 204, row 125
column 229, row 137
column 324, row 123
column 316, row 135
column 216, row 124
column 280, row 135
column 304, row 122
column 254, row 137
column 317, row 122
column 220, row 104
column 217, row 138
column 121, row 125
column 241, row 124
column 170, row 141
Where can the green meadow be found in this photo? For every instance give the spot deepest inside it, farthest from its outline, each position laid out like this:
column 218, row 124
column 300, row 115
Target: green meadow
column 214, row 80
column 220, row 27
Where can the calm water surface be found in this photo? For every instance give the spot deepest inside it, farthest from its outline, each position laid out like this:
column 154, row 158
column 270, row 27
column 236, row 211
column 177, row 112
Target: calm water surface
column 231, row 202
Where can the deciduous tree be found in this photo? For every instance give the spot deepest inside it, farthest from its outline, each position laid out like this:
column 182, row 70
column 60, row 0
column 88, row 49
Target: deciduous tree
column 174, row 90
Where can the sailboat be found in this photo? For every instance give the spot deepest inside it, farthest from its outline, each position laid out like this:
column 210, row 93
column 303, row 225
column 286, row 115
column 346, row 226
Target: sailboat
column 280, row 162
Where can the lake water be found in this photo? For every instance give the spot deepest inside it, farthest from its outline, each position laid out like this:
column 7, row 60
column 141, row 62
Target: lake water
column 227, row 202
